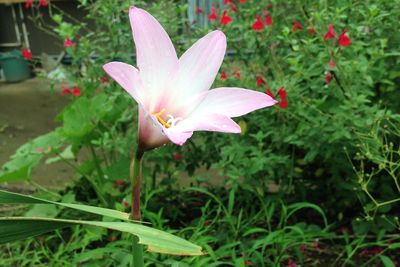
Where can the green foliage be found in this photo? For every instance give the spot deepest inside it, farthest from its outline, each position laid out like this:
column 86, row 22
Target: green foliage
column 331, row 156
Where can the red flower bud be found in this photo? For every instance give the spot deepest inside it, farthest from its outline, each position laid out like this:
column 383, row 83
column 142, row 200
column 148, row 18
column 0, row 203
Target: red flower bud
column 225, row 19
column 344, row 40
column 213, row 15
column 296, row 26
column 330, row 33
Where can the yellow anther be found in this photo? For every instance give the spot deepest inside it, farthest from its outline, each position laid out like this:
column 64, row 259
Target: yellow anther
column 160, row 120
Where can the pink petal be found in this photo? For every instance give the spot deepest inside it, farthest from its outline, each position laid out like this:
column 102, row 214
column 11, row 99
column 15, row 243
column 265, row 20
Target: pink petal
column 232, row 102
column 199, row 65
column 212, row 122
column 150, row 131
column 128, row 77
column 155, row 55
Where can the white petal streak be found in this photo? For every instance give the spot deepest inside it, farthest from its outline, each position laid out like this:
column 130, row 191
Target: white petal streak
column 127, row 77
column 211, row 122
column 155, row 53
column 199, row 65
column 232, row 102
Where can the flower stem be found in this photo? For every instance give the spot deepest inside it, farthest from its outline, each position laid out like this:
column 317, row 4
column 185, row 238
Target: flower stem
column 136, row 180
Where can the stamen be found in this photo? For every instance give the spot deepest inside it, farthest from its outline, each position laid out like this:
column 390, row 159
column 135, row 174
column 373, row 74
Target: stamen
column 173, row 120
column 160, row 120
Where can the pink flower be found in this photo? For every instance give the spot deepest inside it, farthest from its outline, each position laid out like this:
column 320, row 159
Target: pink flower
column 225, row 19
column 328, row 78
column 26, row 53
column 68, row 43
column 213, row 15
column 330, row 33
column 199, row 10
column 28, row 3
column 331, row 63
column 173, row 94
column 344, row 40
column 296, row 26
column 268, row 20
column 43, row 3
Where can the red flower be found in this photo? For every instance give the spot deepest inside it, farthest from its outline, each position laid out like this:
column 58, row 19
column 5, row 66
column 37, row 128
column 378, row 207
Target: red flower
column 43, row 3
column 76, row 91
column 213, row 15
column 268, row 20
column 119, row 183
column 199, row 10
column 223, row 76
column 296, row 26
column 260, row 81
column 269, row 92
column 68, row 43
column 125, row 203
column 28, row 3
column 344, row 40
column 225, row 19
column 178, row 156
column 328, row 78
column 291, row 263
column 282, row 93
column 283, row 103
column 103, row 79
column 330, row 33
column 242, row 1
column 331, row 63
column 65, row 91
column 258, row 25
column 233, row 8
column 236, row 72
column 312, row 30
column 26, row 53
column 226, row 2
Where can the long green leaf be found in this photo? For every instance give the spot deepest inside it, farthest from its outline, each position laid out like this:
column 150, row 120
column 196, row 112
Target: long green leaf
column 10, row 197
column 15, row 228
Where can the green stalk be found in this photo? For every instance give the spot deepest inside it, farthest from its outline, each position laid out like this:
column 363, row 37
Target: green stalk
column 136, row 181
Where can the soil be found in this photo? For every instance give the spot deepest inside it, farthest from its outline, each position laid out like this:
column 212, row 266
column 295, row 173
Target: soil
column 27, row 110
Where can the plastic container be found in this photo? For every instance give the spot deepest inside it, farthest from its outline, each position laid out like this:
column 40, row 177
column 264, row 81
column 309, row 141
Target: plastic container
column 15, row 67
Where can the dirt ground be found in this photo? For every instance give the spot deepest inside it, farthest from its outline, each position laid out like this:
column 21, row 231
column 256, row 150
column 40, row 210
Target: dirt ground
column 27, row 110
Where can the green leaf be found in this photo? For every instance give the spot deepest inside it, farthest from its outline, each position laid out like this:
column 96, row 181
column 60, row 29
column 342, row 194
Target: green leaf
column 9, row 198
column 387, row 262
column 27, row 157
column 16, row 228
column 293, row 208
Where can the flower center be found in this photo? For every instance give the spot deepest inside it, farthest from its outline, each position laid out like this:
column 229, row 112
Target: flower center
column 170, row 122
